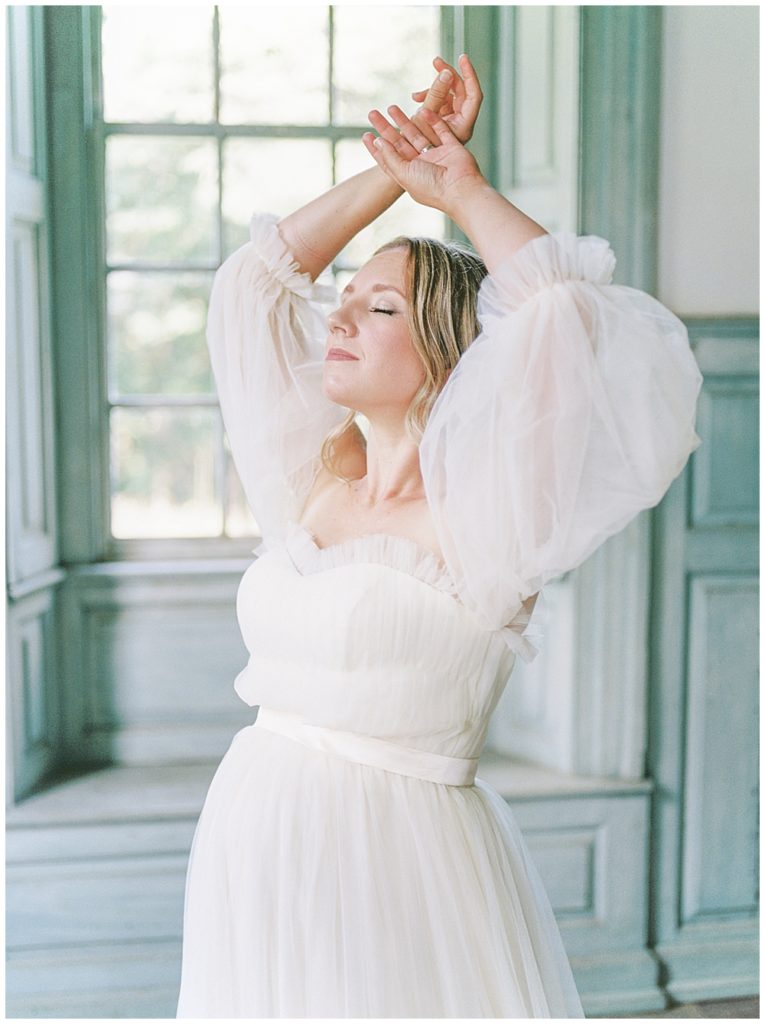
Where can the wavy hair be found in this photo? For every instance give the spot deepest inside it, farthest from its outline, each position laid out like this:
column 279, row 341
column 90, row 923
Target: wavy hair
column 443, row 279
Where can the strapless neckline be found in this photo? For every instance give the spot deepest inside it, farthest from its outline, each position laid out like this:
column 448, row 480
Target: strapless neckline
column 404, row 555
column 391, row 550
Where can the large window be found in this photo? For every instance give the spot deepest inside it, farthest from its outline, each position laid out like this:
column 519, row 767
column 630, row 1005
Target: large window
column 209, row 114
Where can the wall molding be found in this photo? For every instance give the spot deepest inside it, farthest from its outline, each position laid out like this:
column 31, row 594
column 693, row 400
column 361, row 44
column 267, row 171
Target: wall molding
column 32, row 572
column 619, row 131
column 703, row 685
column 76, row 241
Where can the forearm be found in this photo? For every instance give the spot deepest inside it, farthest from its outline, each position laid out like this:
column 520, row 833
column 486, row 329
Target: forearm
column 495, row 227
column 317, row 232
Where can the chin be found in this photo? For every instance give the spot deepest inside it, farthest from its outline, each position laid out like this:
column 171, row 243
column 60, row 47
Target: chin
column 334, row 391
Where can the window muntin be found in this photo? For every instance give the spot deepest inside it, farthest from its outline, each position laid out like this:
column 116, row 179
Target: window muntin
column 196, row 137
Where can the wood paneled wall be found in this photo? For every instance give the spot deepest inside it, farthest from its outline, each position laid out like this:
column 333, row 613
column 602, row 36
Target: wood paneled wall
column 32, row 549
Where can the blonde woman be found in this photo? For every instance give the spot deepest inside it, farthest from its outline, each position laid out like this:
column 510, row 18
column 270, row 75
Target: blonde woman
column 521, row 409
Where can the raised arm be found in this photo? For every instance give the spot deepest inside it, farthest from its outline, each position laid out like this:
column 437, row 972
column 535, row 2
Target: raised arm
column 317, row 232
column 449, row 179
column 571, row 411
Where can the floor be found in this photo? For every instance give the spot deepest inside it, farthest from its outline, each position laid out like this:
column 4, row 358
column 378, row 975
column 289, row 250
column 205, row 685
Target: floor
column 716, row 1009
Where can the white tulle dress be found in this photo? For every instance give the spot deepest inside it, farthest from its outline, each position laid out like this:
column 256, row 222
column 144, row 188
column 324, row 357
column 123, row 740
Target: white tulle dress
column 347, row 861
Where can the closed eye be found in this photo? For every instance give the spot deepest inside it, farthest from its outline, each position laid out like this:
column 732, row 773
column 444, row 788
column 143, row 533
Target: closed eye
column 378, row 309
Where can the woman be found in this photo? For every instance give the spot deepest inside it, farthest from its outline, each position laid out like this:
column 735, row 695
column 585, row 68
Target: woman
column 348, row 861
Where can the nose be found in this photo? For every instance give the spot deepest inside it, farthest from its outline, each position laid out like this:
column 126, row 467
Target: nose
column 339, row 320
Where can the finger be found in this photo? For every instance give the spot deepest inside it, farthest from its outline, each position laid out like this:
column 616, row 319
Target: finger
column 441, row 128
column 369, row 138
column 439, row 90
column 457, row 84
column 392, row 134
column 382, row 126
column 419, row 96
column 425, row 128
column 409, row 129
column 470, row 76
column 389, row 160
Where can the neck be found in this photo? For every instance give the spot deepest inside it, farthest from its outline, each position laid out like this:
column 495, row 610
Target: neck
column 393, row 466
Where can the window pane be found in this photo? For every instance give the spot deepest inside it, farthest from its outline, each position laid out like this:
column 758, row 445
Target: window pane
column 163, row 473
column 157, row 63
column 160, row 199
column 405, row 217
column 157, row 333
column 239, row 518
column 378, row 57
column 274, row 65
column 270, row 175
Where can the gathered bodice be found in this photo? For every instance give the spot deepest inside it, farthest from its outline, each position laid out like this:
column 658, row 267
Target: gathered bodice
column 368, row 636
column 572, row 411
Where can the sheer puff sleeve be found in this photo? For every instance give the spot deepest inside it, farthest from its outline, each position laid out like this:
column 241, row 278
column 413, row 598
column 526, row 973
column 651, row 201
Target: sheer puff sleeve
column 266, row 331
column 573, row 410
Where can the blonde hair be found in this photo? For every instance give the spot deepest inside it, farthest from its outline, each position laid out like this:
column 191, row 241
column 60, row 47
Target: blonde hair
column 443, row 279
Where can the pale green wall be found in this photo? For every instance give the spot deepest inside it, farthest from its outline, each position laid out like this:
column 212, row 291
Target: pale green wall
column 708, row 195
column 664, row 874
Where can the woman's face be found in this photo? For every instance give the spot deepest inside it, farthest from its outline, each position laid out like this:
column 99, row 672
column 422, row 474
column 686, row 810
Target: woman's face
column 370, row 325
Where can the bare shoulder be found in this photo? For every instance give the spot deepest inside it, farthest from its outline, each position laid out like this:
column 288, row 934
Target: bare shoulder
column 422, row 528
column 325, row 485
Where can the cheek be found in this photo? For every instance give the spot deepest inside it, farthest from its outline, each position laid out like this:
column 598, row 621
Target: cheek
column 415, row 371
column 400, row 363
column 408, row 374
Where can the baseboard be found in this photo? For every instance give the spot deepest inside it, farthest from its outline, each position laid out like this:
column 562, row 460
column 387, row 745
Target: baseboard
column 716, row 969
column 623, row 982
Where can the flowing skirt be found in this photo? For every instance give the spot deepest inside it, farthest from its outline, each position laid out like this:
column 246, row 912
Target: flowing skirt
column 320, row 887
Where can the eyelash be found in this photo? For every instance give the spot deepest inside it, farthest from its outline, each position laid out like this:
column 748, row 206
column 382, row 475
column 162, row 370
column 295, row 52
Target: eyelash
column 376, row 309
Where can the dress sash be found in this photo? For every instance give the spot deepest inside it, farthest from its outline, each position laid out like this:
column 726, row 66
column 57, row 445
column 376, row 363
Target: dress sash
column 369, row 750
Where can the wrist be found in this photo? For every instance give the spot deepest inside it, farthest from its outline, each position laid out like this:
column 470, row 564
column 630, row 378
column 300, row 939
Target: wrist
column 390, row 189
column 465, row 195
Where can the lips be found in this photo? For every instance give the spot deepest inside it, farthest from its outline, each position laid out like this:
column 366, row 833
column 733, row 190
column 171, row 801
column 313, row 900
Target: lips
column 339, row 353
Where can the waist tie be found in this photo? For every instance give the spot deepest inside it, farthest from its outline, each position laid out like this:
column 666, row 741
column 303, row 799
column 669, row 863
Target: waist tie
column 369, row 750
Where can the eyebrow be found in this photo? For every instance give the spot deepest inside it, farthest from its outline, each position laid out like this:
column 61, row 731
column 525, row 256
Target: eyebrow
column 375, row 288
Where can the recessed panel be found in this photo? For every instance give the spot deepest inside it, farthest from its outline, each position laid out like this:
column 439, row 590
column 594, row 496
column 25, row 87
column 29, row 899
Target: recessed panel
column 30, row 439
column 726, row 465
column 720, row 845
column 163, row 662
column 535, row 94
column 20, row 84
column 566, row 861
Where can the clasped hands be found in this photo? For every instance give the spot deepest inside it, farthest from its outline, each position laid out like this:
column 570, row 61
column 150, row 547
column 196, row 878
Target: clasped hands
column 425, row 154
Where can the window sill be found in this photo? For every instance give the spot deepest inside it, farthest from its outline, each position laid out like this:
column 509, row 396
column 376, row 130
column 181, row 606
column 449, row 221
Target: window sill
column 118, row 794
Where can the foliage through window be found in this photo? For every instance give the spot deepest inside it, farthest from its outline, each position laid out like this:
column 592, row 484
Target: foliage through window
column 210, row 114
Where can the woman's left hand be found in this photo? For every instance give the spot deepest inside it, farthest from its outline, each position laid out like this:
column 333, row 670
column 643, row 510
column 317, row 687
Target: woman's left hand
column 457, row 100
column 434, row 176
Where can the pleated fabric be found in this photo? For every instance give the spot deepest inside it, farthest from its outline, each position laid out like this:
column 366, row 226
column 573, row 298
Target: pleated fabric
column 321, row 886
column 572, row 411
